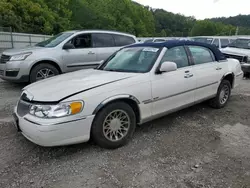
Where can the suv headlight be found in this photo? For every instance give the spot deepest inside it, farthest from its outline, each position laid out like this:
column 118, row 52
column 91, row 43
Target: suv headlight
column 20, row 57
column 58, row 110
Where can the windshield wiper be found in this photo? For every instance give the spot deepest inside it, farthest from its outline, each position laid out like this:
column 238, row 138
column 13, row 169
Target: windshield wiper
column 115, row 70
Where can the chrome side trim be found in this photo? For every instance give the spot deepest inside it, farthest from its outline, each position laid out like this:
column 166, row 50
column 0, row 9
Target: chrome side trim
column 175, row 110
column 58, row 123
column 162, row 98
column 122, row 96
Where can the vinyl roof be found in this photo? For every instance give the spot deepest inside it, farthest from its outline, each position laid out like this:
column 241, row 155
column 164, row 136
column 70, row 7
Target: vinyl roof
column 174, row 43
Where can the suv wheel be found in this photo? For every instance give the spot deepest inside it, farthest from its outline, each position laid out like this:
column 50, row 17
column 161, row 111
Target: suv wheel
column 223, row 95
column 43, row 71
column 114, row 125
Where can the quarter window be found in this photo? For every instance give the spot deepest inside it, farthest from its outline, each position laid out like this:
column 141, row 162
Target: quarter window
column 201, row 55
column 177, row 55
column 224, row 42
column 103, row 40
column 121, row 40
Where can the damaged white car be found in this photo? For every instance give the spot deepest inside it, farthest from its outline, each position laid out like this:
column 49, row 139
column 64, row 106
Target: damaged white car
column 138, row 83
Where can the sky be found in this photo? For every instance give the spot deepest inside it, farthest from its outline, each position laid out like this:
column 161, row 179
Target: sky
column 201, row 9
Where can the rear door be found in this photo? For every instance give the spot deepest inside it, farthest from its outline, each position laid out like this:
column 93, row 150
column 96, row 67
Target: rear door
column 104, row 45
column 82, row 56
column 206, row 70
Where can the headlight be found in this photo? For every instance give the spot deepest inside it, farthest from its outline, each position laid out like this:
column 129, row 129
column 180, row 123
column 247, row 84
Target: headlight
column 56, row 111
column 20, row 57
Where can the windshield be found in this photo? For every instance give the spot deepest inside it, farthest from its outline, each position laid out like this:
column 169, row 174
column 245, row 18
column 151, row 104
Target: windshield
column 204, row 40
column 54, row 41
column 137, row 59
column 240, row 43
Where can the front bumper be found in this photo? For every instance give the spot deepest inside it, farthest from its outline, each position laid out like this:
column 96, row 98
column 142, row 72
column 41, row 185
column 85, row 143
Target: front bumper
column 16, row 71
column 55, row 132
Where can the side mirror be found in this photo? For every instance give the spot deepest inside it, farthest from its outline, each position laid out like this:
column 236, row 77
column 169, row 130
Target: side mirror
column 168, row 66
column 68, row 46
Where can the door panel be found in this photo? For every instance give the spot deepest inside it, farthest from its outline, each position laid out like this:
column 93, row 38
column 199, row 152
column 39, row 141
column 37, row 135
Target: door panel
column 172, row 90
column 82, row 56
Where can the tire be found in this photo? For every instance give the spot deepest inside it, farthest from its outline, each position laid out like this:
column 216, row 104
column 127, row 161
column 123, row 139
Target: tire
column 218, row 102
column 105, row 115
column 34, row 74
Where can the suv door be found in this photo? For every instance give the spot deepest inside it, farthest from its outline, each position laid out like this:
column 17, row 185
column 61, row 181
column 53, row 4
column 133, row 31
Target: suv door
column 174, row 89
column 82, row 56
column 104, row 45
column 206, row 70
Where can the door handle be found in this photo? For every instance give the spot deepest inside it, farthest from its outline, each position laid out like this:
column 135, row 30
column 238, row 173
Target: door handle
column 91, row 53
column 218, row 68
column 187, row 71
column 188, row 75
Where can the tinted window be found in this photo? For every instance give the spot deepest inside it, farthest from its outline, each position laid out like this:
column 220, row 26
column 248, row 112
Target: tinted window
column 216, row 42
column 177, row 55
column 121, row 40
column 224, row 42
column 201, row 55
column 82, row 41
column 159, row 40
column 103, row 40
column 204, row 40
column 148, row 41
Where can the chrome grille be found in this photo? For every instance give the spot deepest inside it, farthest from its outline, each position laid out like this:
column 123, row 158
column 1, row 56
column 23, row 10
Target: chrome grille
column 238, row 57
column 4, row 59
column 23, row 108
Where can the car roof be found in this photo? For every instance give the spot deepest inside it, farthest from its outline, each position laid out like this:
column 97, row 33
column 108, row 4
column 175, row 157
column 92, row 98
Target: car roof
column 174, row 43
column 99, row 31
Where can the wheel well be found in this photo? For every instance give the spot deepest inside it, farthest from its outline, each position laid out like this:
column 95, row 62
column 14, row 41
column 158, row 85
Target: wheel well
column 49, row 62
column 230, row 78
column 133, row 104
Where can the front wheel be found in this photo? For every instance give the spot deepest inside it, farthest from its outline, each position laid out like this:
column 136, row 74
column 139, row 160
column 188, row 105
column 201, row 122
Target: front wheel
column 223, row 95
column 42, row 71
column 114, row 125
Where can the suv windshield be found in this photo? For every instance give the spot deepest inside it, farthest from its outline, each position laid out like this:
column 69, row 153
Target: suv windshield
column 240, row 43
column 204, row 40
column 137, row 59
column 54, row 41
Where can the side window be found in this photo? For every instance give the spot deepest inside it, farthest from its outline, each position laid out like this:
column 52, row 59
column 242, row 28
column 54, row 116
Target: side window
column 177, row 55
column 216, row 42
column 102, row 40
column 224, row 42
column 121, row 40
column 82, row 41
column 201, row 55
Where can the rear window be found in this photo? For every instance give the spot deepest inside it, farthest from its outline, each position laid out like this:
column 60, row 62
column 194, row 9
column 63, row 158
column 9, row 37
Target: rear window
column 122, row 40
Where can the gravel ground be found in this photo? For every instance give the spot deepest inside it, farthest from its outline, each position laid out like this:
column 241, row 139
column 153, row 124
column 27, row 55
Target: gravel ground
column 196, row 147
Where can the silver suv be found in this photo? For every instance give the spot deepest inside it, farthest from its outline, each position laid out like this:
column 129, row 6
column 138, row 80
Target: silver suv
column 65, row 52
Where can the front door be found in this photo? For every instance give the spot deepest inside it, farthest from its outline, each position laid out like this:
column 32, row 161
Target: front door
column 82, row 56
column 173, row 90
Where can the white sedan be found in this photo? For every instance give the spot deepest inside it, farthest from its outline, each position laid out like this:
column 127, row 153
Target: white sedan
column 138, row 83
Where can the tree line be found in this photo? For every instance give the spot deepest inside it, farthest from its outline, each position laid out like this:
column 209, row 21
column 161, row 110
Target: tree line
column 52, row 17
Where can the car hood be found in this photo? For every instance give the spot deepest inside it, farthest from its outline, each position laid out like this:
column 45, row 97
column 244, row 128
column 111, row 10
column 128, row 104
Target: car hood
column 22, row 50
column 57, row 88
column 236, row 51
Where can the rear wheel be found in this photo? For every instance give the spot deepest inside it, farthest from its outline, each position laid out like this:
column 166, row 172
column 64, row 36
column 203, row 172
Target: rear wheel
column 43, row 71
column 114, row 125
column 223, row 95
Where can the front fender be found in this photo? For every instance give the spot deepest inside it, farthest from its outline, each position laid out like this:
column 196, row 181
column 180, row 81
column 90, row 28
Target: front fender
column 113, row 98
